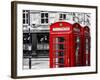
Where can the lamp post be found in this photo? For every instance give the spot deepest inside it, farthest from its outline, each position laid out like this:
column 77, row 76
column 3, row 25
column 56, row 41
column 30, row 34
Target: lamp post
column 30, row 56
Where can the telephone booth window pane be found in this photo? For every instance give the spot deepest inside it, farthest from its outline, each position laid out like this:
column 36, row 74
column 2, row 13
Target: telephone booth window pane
column 61, row 46
column 61, row 59
column 86, row 62
column 87, row 45
column 77, row 48
column 57, row 47
column 87, row 49
column 60, row 39
column 61, row 62
column 61, row 53
column 77, row 43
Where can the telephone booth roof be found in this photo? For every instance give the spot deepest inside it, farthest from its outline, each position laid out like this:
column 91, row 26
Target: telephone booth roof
column 77, row 28
column 60, row 27
column 86, row 28
column 86, row 31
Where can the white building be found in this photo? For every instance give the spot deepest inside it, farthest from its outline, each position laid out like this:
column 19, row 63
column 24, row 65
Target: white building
column 39, row 21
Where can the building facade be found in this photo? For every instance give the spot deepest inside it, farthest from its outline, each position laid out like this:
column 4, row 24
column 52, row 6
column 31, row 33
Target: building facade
column 36, row 26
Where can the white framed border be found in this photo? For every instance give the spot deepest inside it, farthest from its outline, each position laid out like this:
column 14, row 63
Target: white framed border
column 68, row 70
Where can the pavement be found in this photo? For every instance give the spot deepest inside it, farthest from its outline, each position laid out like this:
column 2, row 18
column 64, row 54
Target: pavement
column 37, row 63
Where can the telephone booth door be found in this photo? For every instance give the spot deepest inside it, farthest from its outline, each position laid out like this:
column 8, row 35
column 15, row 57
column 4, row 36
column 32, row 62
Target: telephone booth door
column 59, row 45
column 77, row 35
column 86, row 44
column 59, row 51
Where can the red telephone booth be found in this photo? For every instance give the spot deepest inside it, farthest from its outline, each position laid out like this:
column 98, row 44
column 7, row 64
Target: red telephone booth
column 86, row 45
column 61, row 45
column 77, row 44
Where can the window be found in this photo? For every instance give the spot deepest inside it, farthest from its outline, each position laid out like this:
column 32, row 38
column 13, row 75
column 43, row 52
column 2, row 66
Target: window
column 44, row 18
column 62, row 17
column 60, row 39
column 25, row 17
column 87, row 46
column 60, row 43
column 77, row 49
column 43, row 41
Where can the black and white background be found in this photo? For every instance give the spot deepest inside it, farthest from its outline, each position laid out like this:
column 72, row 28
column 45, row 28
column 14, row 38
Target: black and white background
column 36, row 25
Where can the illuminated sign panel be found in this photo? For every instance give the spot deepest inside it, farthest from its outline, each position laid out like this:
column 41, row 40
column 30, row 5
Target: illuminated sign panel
column 76, row 29
column 61, row 29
